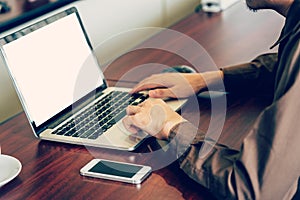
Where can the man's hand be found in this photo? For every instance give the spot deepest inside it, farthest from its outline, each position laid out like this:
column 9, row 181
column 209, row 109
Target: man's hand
column 177, row 85
column 153, row 116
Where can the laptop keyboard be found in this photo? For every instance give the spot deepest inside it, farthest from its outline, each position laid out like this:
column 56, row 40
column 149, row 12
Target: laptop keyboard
column 101, row 116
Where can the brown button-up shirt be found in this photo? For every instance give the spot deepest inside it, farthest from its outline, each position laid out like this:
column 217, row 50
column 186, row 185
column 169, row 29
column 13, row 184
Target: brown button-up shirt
column 267, row 165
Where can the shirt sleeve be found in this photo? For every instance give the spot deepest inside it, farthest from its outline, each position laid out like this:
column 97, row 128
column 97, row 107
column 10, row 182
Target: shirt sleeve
column 257, row 76
column 265, row 167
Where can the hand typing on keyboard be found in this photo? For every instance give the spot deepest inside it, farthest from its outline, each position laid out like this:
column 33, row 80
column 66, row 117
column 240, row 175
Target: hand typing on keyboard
column 99, row 117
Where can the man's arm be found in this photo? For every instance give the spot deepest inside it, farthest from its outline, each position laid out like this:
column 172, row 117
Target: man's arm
column 255, row 77
column 265, row 167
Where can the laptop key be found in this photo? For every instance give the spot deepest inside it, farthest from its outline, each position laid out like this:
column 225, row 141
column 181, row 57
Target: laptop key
column 70, row 132
column 119, row 116
column 96, row 134
column 87, row 133
column 78, row 133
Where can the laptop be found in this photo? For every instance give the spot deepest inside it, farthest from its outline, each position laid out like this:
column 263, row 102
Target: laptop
column 62, row 88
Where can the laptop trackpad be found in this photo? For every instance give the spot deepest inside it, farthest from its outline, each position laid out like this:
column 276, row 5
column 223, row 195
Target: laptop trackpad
column 118, row 135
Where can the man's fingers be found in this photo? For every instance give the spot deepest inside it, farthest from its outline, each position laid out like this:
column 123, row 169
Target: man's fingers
column 132, row 110
column 145, row 86
column 127, row 122
column 161, row 93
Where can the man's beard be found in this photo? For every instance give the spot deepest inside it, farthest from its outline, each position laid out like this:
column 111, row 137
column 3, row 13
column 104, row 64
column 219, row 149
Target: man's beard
column 252, row 9
column 249, row 7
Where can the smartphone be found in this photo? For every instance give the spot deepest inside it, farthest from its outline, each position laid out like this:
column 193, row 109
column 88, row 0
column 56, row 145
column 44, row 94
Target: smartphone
column 117, row 171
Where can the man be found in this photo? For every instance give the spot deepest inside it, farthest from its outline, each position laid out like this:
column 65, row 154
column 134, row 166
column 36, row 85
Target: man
column 267, row 166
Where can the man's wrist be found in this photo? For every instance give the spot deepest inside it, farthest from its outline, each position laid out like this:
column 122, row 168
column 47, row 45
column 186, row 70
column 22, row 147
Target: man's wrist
column 171, row 127
column 213, row 78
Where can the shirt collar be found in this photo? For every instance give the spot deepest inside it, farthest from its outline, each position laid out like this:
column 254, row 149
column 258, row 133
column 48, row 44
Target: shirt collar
column 292, row 23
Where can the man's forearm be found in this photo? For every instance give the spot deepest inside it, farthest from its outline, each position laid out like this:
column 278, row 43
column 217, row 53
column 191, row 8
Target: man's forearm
column 253, row 77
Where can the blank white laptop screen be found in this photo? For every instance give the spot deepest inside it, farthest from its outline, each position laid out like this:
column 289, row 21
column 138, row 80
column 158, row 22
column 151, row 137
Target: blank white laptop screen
column 41, row 67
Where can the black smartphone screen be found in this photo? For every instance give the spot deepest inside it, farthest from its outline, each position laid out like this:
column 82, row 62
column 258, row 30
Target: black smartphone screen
column 116, row 169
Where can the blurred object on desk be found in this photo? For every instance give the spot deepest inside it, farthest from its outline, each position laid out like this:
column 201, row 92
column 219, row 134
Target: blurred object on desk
column 4, row 8
column 32, row 4
column 19, row 9
column 213, row 6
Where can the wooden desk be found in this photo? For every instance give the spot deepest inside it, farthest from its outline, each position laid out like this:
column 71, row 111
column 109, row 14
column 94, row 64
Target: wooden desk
column 51, row 170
